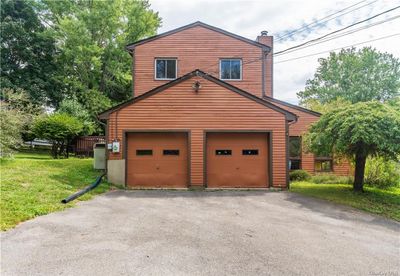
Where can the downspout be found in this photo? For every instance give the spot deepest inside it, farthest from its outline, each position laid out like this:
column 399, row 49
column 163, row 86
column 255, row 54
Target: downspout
column 116, row 126
column 106, row 151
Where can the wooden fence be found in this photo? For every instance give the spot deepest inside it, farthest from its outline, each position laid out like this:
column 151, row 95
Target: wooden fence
column 83, row 145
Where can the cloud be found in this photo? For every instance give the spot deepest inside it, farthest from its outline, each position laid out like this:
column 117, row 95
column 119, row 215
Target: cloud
column 249, row 18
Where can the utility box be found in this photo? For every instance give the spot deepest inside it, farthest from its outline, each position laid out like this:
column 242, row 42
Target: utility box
column 99, row 156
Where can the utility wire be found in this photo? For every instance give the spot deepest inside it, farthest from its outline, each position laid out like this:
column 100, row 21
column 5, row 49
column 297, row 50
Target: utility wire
column 325, row 40
column 314, row 41
column 342, row 34
column 339, row 30
column 327, row 51
column 319, row 21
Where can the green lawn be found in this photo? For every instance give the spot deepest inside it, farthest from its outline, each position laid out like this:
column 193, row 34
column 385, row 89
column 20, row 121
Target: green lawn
column 373, row 200
column 33, row 184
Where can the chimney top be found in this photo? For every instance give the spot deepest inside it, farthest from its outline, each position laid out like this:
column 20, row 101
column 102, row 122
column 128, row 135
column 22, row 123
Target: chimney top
column 264, row 33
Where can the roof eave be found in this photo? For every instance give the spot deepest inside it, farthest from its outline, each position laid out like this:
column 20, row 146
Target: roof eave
column 302, row 109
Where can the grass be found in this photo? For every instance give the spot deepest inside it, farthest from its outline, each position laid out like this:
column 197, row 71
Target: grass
column 33, row 184
column 377, row 201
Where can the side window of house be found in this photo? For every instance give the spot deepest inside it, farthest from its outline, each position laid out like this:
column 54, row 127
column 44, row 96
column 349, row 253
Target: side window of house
column 323, row 164
column 230, row 69
column 165, row 68
column 294, row 153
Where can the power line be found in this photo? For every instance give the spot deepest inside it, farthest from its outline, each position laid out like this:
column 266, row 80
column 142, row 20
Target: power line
column 279, row 38
column 302, row 46
column 325, row 40
column 339, row 30
column 319, row 21
column 327, row 51
column 342, row 34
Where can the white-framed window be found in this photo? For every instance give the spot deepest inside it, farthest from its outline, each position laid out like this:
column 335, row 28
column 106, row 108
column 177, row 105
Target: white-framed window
column 230, row 69
column 165, row 68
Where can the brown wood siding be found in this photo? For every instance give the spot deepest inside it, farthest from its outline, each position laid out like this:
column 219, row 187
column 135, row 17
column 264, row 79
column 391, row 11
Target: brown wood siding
column 199, row 48
column 212, row 108
column 304, row 120
column 343, row 168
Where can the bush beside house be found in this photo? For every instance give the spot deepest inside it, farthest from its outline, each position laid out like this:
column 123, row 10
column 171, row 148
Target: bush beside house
column 299, row 175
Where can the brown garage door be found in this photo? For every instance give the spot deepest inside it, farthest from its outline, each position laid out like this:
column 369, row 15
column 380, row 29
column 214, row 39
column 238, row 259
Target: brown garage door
column 237, row 160
column 158, row 160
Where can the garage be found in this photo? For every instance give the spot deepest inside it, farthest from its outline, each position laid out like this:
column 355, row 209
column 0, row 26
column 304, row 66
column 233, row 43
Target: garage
column 237, row 160
column 157, row 160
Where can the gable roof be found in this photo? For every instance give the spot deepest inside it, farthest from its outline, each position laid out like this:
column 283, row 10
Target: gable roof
column 289, row 115
column 196, row 24
column 292, row 106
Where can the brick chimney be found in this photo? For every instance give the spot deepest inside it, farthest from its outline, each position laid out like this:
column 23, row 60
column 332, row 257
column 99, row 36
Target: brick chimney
column 268, row 40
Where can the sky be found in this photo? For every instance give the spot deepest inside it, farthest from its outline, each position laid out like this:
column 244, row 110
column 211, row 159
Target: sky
column 249, row 17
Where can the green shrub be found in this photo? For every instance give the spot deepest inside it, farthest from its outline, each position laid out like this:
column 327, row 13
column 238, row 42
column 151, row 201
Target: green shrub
column 299, row 175
column 382, row 173
column 331, row 179
column 59, row 128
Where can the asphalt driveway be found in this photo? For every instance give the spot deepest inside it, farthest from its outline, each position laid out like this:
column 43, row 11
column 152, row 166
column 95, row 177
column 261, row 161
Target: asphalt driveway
column 203, row 233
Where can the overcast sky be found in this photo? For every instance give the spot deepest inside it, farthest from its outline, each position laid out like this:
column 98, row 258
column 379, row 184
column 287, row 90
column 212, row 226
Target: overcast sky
column 249, row 17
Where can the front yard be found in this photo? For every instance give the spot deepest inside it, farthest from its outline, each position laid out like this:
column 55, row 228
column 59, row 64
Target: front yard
column 33, row 184
column 373, row 200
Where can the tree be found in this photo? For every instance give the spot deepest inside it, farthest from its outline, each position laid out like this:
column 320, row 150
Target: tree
column 11, row 127
column 19, row 102
column 322, row 108
column 395, row 103
column 75, row 109
column 354, row 76
column 357, row 131
column 27, row 52
column 94, row 102
column 92, row 36
column 59, row 128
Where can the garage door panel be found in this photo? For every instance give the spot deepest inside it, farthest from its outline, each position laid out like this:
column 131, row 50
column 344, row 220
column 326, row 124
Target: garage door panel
column 167, row 180
column 246, row 165
column 166, row 167
column 236, row 180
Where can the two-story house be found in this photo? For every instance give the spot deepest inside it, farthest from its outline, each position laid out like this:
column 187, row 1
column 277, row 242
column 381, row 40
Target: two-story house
column 203, row 114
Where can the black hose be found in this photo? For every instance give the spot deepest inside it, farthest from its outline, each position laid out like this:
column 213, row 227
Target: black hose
column 83, row 191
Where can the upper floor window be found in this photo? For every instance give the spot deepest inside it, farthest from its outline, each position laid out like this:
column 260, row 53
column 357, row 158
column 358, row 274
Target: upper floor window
column 230, row 69
column 165, row 68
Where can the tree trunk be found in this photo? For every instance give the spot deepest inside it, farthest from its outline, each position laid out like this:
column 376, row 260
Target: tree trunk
column 103, row 77
column 54, row 150
column 67, row 148
column 359, row 172
column 61, row 152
